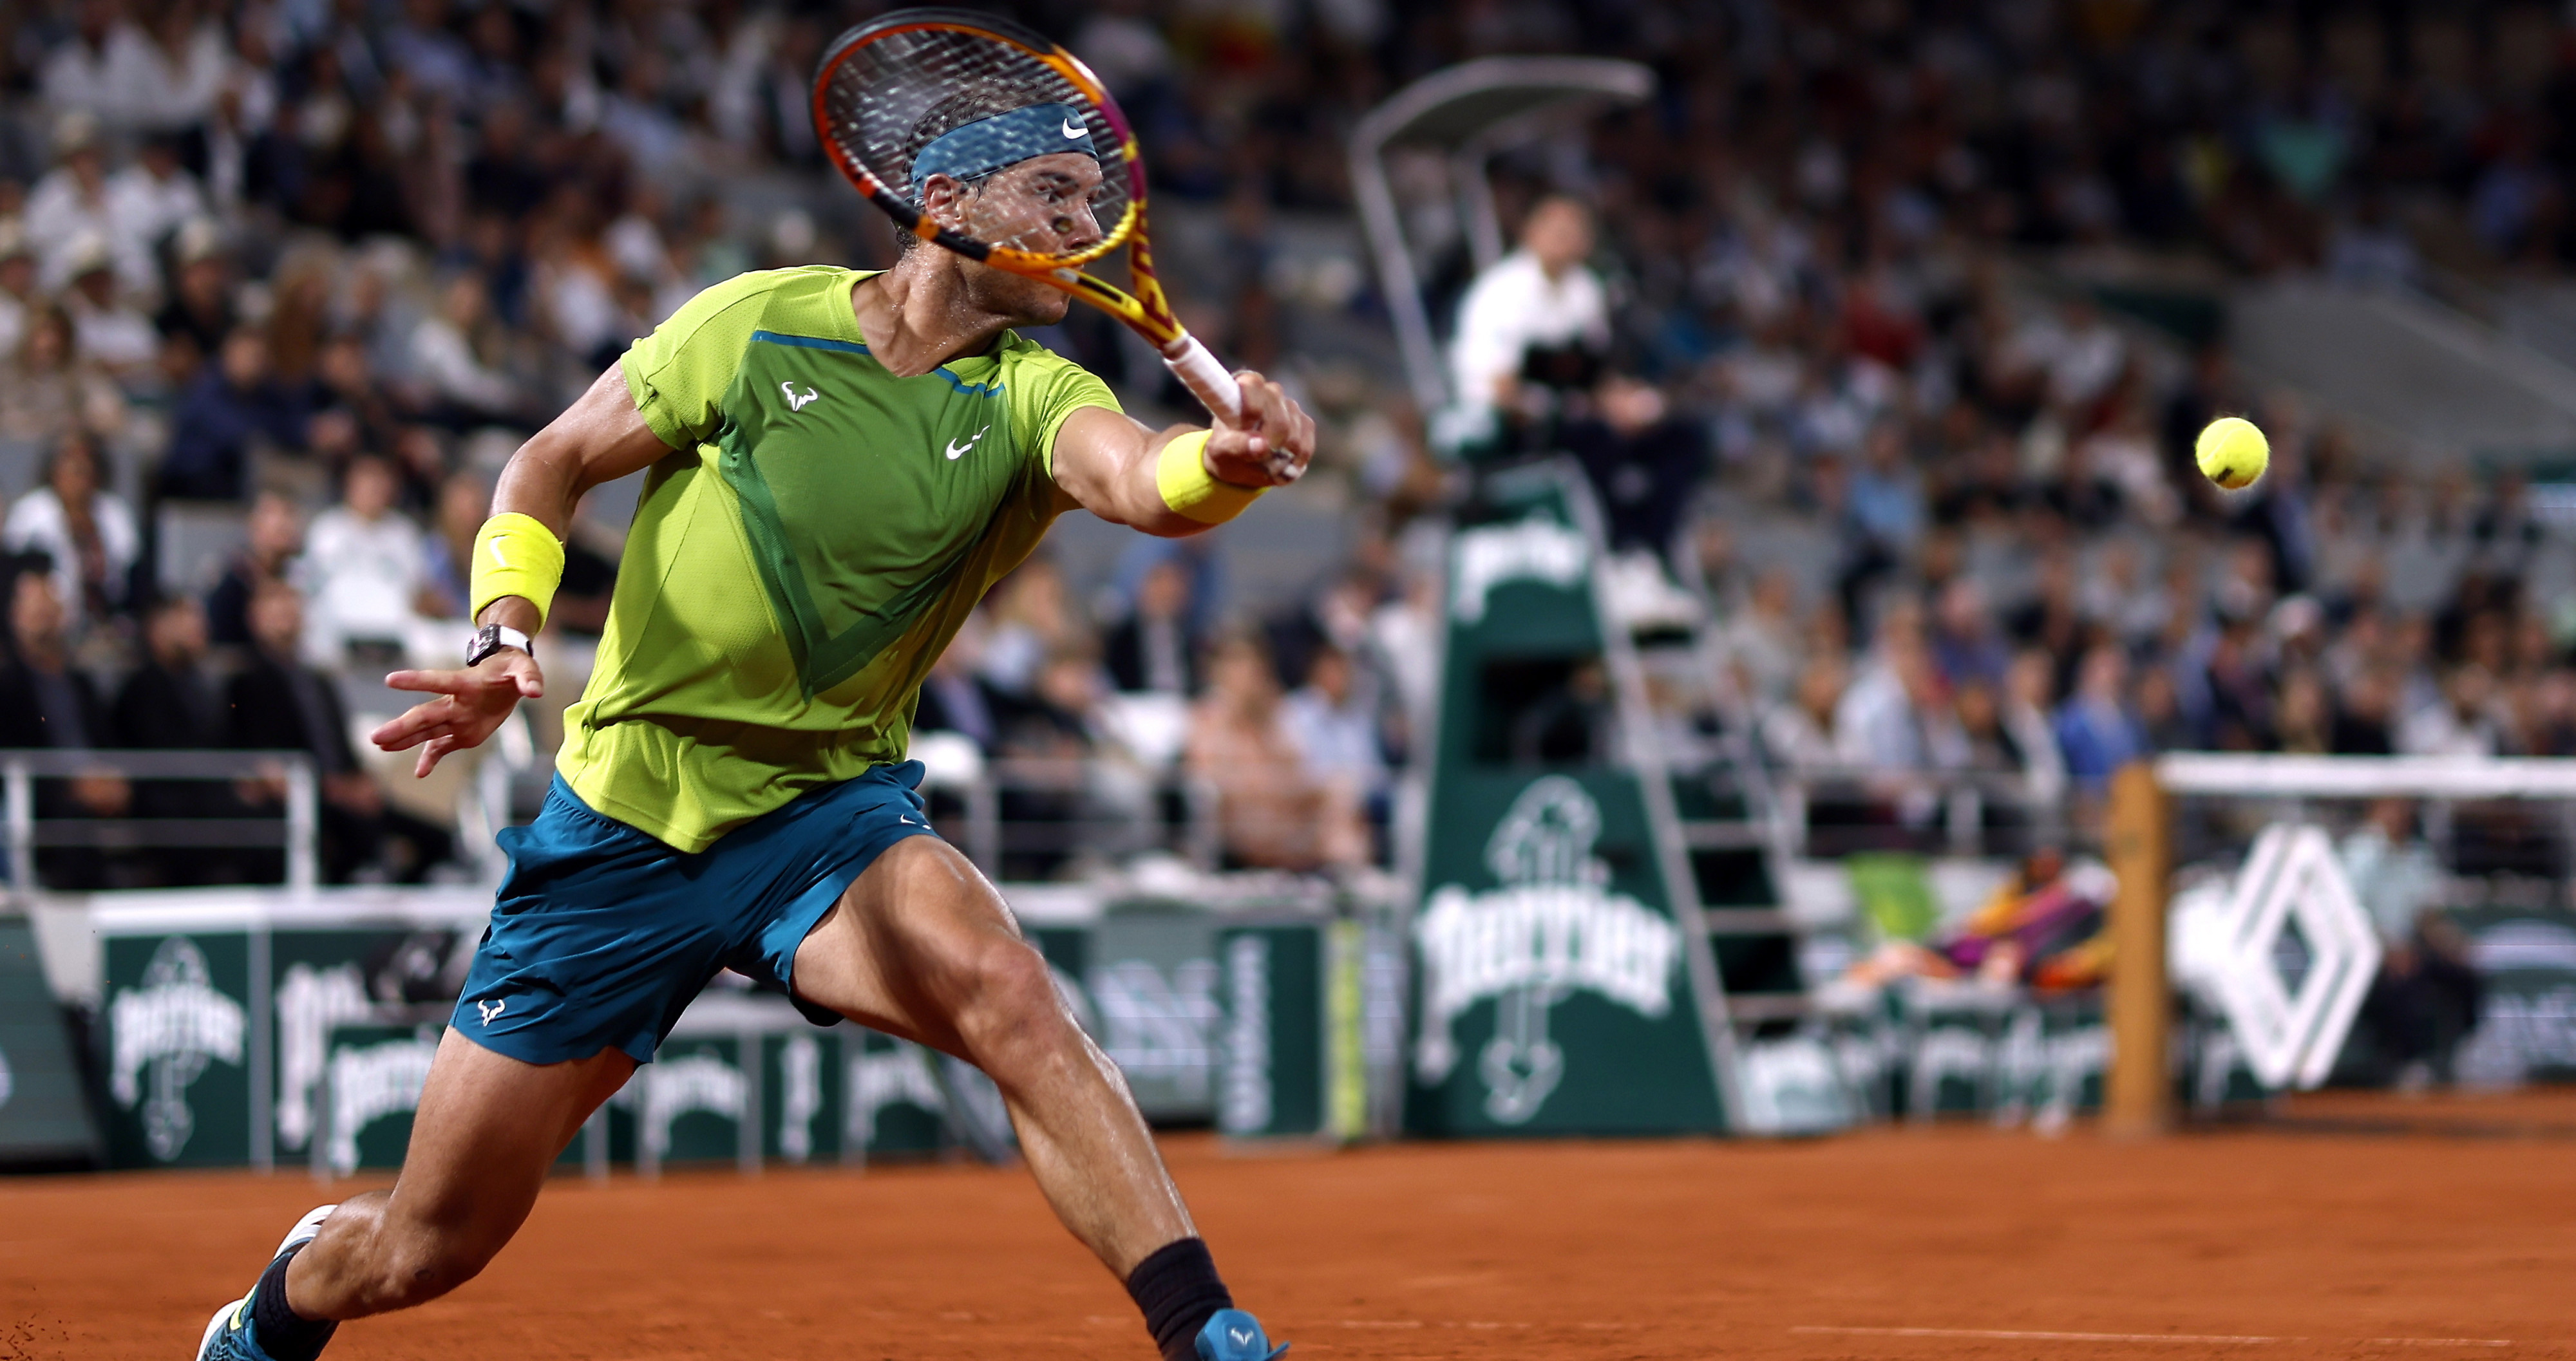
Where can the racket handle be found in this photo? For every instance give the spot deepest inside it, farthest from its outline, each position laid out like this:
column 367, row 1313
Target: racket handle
column 1206, row 379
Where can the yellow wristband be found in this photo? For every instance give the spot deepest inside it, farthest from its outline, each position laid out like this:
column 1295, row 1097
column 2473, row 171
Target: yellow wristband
column 1182, row 476
column 517, row 555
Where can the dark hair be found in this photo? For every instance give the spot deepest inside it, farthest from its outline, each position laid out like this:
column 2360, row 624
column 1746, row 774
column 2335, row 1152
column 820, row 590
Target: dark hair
column 63, row 447
column 947, row 116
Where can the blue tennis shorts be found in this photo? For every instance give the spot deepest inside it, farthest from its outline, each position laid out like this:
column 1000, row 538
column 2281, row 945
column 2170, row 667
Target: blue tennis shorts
column 602, row 935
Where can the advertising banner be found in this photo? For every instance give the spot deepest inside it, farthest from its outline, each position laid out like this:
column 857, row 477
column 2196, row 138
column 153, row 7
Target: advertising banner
column 44, row 1118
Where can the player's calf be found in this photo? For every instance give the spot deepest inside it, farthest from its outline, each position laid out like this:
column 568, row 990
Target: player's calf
column 371, row 1259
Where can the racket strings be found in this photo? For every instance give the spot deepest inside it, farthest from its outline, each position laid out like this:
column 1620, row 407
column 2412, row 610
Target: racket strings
column 898, row 94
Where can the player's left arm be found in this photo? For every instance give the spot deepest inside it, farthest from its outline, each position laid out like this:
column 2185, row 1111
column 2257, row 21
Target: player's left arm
column 1187, row 478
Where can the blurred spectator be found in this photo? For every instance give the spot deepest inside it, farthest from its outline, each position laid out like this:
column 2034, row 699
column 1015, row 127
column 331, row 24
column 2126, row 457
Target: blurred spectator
column 1567, row 723
column 589, row 585
column 1539, row 298
column 1154, row 648
column 277, row 703
column 953, row 699
column 1885, row 515
column 363, row 561
column 1897, row 717
column 70, row 220
column 1800, row 734
column 2459, row 724
column 1763, row 639
column 110, row 334
column 235, row 406
column 1965, row 643
column 274, row 537
column 2022, row 717
column 84, row 530
column 200, row 311
column 447, row 551
column 1332, row 722
column 49, row 393
column 1031, row 619
column 1272, row 811
column 2097, row 727
column 45, row 701
column 115, row 69
column 2426, row 998
column 17, row 285
column 171, row 703
column 448, row 351
column 1047, row 734
column 1643, row 459
column 147, row 201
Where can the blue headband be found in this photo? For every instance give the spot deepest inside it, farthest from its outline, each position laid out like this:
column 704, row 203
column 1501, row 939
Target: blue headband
column 988, row 144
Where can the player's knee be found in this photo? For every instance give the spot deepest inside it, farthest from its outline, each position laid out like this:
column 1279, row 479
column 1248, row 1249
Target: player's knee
column 1012, row 1014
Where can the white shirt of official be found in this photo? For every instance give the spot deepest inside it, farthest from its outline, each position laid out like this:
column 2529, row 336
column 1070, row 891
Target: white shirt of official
column 1514, row 306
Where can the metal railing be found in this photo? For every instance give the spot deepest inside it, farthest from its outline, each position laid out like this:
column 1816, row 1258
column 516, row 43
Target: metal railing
column 1955, row 812
column 298, row 832
column 1105, row 806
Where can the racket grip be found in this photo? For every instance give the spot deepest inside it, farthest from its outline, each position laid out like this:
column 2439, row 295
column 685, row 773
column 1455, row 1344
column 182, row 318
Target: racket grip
column 1206, row 379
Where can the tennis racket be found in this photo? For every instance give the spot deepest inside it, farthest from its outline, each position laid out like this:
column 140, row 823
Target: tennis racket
column 890, row 90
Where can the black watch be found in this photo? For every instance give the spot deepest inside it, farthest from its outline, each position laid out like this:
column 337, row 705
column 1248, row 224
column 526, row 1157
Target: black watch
column 492, row 638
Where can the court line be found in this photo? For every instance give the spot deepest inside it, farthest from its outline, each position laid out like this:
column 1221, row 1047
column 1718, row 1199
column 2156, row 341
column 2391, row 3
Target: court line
column 2010, row 1335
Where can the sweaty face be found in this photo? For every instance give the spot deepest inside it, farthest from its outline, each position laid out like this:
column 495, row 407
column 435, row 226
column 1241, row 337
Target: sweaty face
column 1043, row 205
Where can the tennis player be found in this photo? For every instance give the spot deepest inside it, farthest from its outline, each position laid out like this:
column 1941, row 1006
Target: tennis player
column 837, row 466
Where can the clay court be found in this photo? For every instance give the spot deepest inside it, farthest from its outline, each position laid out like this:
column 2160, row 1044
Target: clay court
column 2350, row 1228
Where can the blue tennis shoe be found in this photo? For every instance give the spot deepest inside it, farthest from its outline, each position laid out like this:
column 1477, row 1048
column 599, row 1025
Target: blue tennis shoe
column 1233, row 1335
column 229, row 1335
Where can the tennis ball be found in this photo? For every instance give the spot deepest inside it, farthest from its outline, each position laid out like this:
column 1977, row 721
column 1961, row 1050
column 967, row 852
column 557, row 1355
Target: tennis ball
column 2233, row 452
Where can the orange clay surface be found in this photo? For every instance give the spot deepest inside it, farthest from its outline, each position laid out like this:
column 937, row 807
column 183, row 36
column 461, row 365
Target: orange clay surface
column 2349, row 1228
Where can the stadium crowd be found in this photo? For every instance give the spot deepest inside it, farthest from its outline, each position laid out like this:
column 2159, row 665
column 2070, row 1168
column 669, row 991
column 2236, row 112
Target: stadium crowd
column 317, row 264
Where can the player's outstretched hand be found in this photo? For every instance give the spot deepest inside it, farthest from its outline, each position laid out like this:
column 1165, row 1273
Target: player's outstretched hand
column 1268, row 445
column 471, row 703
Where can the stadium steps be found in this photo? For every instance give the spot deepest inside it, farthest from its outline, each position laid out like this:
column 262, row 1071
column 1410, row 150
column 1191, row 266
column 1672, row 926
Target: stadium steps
column 1729, row 828
column 2415, row 369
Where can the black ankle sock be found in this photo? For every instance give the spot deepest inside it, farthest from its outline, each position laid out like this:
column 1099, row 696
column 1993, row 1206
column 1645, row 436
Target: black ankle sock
column 1178, row 1289
column 283, row 1333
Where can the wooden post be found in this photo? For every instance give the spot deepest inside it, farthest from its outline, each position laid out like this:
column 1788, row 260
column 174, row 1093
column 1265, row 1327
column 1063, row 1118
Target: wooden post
column 2137, row 837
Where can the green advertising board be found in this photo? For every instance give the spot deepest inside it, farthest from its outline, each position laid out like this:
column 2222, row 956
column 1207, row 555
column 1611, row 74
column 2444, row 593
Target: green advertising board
column 368, row 1088
column 1274, row 1075
column 2526, row 1027
column 44, row 1117
column 1562, row 984
column 185, row 1047
column 1151, row 975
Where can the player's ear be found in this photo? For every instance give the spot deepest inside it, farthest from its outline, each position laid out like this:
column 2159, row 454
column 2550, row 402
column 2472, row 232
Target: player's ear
column 943, row 200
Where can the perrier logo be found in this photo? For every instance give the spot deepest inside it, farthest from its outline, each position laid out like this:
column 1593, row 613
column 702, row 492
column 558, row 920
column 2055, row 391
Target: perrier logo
column 1552, row 929
column 162, row 1035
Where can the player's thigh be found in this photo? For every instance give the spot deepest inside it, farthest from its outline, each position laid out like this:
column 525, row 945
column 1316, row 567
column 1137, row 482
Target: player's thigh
column 918, row 945
column 488, row 1130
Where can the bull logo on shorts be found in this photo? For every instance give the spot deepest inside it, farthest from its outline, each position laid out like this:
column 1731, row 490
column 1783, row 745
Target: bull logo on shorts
column 161, row 1037
column 1554, row 928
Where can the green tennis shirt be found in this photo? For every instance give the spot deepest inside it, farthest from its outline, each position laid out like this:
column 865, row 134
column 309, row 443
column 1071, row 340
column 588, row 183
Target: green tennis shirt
column 795, row 567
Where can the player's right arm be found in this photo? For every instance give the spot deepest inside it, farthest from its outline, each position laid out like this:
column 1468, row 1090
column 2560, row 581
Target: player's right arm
column 601, row 437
